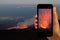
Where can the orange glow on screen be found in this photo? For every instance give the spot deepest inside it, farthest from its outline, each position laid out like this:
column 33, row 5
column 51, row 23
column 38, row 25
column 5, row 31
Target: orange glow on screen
column 45, row 18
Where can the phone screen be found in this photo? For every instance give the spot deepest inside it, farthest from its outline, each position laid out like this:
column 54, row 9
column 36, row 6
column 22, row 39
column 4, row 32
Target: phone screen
column 45, row 19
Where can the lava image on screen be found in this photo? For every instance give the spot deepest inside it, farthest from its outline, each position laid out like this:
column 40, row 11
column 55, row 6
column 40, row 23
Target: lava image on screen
column 45, row 19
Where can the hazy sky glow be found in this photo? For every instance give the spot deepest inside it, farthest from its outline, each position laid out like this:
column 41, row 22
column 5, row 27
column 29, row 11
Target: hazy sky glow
column 28, row 1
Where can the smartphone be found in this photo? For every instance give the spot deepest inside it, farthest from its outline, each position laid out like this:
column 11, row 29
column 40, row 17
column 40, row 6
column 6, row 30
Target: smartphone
column 45, row 19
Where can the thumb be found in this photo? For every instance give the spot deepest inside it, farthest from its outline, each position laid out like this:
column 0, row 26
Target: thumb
column 55, row 21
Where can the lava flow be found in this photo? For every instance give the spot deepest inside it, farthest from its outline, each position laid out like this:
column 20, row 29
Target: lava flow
column 45, row 18
column 18, row 27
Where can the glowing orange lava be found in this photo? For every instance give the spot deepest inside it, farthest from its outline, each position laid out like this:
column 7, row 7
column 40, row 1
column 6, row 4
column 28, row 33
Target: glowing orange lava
column 18, row 27
column 22, row 27
column 45, row 18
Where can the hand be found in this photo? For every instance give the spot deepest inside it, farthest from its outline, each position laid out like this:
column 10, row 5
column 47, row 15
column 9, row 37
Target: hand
column 56, row 29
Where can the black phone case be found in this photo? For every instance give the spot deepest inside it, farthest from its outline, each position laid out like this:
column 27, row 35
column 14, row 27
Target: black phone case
column 44, row 6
